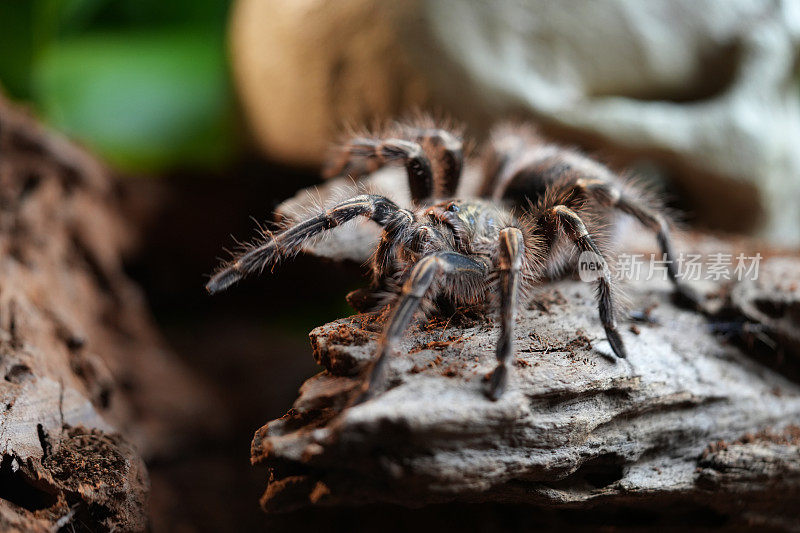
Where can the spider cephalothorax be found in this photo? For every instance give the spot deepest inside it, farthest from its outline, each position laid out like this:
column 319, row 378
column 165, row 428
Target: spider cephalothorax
column 535, row 200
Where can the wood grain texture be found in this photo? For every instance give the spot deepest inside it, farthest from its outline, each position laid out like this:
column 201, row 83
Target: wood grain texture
column 88, row 386
column 688, row 421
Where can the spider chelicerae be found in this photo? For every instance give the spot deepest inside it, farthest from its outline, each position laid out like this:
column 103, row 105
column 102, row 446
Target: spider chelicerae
column 536, row 203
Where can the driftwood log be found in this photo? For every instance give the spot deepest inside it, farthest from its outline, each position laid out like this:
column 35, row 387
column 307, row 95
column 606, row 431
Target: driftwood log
column 701, row 422
column 87, row 387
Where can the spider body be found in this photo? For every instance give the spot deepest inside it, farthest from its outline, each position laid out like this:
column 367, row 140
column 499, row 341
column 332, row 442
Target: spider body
column 535, row 202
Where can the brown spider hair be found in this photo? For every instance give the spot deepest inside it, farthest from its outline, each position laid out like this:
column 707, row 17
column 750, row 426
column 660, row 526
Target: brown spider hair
column 537, row 202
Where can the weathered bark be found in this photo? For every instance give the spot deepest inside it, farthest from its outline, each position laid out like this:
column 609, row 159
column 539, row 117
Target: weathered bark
column 686, row 420
column 88, row 387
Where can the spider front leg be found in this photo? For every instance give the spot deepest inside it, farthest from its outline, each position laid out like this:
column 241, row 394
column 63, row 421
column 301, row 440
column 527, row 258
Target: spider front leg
column 290, row 241
column 509, row 263
column 576, row 229
column 448, row 154
column 418, row 285
column 372, row 154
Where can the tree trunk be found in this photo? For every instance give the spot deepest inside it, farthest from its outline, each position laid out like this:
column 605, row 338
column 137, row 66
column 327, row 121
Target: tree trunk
column 88, row 388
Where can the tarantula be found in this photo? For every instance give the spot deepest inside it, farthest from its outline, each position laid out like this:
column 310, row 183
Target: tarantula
column 534, row 200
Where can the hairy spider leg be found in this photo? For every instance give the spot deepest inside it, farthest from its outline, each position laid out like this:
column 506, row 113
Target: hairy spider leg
column 375, row 153
column 397, row 233
column 417, row 286
column 290, row 241
column 576, row 230
column 505, row 145
column 611, row 196
column 511, row 248
column 447, row 153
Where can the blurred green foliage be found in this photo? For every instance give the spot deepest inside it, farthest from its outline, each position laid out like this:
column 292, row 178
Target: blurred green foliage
column 143, row 82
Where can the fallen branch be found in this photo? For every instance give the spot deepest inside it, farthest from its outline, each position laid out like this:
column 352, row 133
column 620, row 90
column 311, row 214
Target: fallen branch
column 687, row 419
